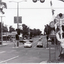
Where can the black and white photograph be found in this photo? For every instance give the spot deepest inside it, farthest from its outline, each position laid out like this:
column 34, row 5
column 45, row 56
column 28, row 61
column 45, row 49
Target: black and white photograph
column 32, row 31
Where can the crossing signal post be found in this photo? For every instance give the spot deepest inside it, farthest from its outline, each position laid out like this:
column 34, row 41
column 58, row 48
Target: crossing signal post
column 61, row 24
column 60, row 19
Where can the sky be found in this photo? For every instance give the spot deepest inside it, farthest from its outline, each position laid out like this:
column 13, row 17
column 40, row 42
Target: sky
column 34, row 15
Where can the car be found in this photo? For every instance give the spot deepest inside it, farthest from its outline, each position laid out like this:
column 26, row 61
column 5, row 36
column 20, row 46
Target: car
column 27, row 44
column 31, row 40
column 39, row 44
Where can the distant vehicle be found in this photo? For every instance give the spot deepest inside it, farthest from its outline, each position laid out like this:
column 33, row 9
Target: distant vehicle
column 40, row 39
column 31, row 40
column 39, row 44
column 28, row 44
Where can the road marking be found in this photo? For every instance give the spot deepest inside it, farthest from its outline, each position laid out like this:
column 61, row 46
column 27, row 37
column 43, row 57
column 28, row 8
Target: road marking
column 2, row 52
column 15, row 47
column 9, row 59
column 43, row 62
column 50, row 48
column 18, row 46
column 35, row 42
column 11, row 51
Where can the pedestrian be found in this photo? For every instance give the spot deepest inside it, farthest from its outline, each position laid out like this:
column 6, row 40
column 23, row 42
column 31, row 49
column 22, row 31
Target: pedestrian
column 14, row 40
column 17, row 39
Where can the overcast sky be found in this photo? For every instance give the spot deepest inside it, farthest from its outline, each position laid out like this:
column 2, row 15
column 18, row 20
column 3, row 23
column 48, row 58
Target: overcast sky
column 34, row 15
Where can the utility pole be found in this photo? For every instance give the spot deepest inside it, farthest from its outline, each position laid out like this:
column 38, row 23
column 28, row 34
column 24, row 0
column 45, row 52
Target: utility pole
column 1, row 30
column 17, row 17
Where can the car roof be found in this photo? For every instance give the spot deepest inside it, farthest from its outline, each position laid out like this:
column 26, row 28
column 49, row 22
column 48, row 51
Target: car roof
column 39, row 42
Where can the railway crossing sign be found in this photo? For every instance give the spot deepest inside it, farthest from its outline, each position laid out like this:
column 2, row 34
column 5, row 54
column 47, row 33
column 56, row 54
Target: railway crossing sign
column 60, row 23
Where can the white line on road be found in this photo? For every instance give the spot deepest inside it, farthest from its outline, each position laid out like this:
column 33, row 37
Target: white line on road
column 18, row 46
column 35, row 42
column 11, row 51
column 43, row 62
column 2, row 52
column 9, row 59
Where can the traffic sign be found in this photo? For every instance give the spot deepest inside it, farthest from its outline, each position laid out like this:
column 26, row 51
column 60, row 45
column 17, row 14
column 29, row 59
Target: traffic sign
column 19, row 19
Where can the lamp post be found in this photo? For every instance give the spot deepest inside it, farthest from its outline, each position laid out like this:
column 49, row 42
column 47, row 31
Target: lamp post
column 17, row 12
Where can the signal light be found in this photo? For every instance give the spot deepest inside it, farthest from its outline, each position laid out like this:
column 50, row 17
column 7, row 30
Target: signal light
column 42, row 1
column 34, row 1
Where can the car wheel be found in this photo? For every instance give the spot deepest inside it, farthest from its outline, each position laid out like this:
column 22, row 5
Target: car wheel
column 34, row 1
column 37, row 46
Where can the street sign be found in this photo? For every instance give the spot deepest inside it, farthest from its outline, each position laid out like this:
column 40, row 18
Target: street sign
column 19, row 19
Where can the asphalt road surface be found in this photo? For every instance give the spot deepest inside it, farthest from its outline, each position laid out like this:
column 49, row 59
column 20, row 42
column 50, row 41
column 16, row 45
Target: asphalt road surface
column 11, row 54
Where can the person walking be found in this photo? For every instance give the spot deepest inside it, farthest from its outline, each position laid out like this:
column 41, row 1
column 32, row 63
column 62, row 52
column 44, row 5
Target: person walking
column 17, row 39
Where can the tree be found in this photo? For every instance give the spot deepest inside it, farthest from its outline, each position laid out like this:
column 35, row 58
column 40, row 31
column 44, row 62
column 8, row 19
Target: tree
column 5, row 29
column 24, row 30
column 11, row 29
column 38, row 32
column 18, row 31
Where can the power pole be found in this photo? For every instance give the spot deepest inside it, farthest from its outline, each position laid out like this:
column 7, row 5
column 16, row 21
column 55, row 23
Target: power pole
column 1, row 30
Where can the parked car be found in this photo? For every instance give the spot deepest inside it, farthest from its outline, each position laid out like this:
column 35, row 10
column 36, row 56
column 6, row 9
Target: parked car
column 39, row 44
column 28, row 44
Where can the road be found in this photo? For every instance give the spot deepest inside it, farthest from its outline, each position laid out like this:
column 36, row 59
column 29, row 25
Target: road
column 10, row 54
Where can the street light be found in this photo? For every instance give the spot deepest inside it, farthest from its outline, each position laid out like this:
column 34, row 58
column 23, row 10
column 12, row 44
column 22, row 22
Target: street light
column 17, row 12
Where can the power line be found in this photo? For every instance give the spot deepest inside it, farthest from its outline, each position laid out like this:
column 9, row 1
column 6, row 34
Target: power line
column 35, row 8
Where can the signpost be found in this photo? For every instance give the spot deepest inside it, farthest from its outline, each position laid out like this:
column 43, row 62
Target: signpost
column 19, row 19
